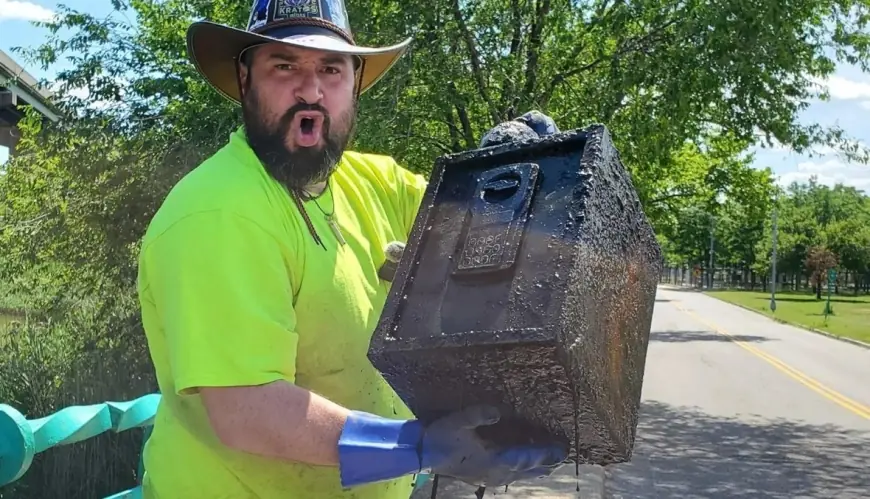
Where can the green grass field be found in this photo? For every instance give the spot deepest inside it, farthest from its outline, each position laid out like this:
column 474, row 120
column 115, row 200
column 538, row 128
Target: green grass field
column 851, row 317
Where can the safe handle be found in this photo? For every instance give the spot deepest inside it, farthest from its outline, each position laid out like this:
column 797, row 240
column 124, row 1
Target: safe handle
column 496, row 219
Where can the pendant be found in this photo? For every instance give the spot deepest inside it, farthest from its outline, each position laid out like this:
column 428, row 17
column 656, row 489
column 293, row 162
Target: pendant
column 336, row 230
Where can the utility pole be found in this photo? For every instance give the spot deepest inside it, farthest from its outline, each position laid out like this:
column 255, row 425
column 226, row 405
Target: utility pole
column 773, row 255
column 710, row 272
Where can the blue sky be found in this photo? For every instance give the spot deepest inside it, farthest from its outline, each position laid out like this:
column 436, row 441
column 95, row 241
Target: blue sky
column 849, row 106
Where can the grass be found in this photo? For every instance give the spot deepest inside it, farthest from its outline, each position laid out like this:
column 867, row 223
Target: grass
column 851, row 317
column 4, row 321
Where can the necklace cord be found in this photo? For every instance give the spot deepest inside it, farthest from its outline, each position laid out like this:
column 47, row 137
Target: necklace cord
column 304, row 213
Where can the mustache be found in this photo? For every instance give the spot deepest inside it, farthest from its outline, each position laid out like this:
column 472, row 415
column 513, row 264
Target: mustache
column 287, row 118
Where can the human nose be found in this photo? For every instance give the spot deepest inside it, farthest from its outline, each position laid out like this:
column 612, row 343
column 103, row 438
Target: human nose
column 308, row 90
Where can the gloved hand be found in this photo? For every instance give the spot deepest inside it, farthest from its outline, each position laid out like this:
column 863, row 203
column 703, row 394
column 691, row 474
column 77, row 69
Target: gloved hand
column 372, row 449
column 452, row 448
column 532, row 125
column 542, row 124
column 393, row 255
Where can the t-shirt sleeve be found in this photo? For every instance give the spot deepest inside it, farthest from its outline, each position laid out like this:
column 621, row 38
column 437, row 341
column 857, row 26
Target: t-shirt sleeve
column 223, row 294
column 412, row 187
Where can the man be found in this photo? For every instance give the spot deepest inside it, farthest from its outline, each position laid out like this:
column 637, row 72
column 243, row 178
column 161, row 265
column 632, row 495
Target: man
column 260, row 292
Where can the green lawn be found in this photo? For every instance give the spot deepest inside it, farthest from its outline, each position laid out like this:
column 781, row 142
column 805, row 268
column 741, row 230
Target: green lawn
column 851, row 317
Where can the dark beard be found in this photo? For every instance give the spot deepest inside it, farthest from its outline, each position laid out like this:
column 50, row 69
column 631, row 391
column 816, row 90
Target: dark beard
column 301, row 168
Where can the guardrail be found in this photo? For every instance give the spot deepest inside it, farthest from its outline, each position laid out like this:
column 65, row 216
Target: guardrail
column 21, row 439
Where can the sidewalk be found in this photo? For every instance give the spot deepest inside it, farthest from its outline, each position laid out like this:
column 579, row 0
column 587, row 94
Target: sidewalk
column 564, row 484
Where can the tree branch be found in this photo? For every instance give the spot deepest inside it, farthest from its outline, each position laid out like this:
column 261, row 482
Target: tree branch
column 602, row 13
column 432, row 140
column 476, row 67
column 510, row 99
column 542, row 9
column 453, row 130
column 641, row 43
column 517, row 22
column 466, row 124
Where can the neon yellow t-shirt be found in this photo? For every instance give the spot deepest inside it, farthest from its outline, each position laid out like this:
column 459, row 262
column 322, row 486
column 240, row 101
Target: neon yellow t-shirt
column 234, row 291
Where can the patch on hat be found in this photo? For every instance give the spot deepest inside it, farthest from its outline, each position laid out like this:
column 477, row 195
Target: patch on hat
column 337, row 13
column 259, row 14
column 290, row 9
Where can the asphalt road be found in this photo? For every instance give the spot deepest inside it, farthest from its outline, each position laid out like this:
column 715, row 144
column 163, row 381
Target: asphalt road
column 735, row 405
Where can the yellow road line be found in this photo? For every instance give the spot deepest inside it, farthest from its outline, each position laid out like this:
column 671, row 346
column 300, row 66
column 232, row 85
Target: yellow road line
column 829, row 393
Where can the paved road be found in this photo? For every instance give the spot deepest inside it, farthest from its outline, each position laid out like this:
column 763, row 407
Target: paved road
column 739, row 406
column 735, row 406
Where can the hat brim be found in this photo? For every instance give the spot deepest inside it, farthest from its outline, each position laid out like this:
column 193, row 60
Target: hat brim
column 213, row 49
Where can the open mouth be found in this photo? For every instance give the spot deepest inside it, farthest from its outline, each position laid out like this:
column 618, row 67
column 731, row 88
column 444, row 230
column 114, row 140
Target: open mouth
column 307, row 125
column 308, row 129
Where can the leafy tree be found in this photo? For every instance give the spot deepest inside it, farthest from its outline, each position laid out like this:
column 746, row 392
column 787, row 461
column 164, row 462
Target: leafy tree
column 819, row 261
column 850, row 240
column 815, row 215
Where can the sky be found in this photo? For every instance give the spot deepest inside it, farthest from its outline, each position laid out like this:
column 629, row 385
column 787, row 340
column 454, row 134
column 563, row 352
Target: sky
column 848, row 107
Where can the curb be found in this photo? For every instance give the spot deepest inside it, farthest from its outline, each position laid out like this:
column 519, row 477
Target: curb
column 799, row 326
column 565, row 483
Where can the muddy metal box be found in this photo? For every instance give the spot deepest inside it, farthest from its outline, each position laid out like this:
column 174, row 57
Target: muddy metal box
column 528, row 282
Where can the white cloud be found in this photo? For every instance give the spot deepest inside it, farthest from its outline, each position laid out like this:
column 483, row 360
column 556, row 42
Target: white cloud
column 818, row 150
column 830, row 172
column 843, row 88
column 23, row 10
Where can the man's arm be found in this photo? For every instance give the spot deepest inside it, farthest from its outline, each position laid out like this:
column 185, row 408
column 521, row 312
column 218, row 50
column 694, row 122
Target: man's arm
column 222, row 289
column 278, row 420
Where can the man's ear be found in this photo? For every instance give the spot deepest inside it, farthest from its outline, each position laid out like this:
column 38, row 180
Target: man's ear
column 244, row 72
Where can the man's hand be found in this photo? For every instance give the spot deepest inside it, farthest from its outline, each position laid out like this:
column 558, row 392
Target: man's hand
column 451, row 447
column 542, row 124
column 372, row 449
column 393, row 253
column 532, row 125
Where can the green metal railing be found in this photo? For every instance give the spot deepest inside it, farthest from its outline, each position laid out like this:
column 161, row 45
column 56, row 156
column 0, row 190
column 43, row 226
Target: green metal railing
column 21, row 439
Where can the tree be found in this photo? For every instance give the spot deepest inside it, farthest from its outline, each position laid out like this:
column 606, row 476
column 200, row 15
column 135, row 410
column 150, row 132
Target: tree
column 850, row 240
column 819, row 261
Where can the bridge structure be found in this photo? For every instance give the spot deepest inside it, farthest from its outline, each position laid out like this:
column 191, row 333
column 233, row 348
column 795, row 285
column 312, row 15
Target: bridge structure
column 19, row 90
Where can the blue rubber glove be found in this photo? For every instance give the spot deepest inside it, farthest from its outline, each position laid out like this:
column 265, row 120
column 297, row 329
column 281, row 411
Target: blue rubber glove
column 532, row 125
column 542, row 124
column 372, row 449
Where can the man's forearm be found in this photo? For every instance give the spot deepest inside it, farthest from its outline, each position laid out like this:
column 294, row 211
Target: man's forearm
column 277, row 420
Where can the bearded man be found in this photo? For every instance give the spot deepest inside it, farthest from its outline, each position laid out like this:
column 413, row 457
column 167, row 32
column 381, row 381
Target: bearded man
column 259, row 287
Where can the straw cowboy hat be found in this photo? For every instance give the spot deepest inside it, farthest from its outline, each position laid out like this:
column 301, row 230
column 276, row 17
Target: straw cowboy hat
column 316, row 24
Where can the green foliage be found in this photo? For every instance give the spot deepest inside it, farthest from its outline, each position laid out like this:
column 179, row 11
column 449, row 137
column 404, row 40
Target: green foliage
column 836, row 218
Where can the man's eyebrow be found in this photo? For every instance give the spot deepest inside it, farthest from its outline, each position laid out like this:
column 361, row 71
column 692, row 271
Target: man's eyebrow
column 333, row 59
column 283, row 57
column 329, row 59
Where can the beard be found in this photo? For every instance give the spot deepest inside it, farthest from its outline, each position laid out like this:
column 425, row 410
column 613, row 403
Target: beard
column 306, row 165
